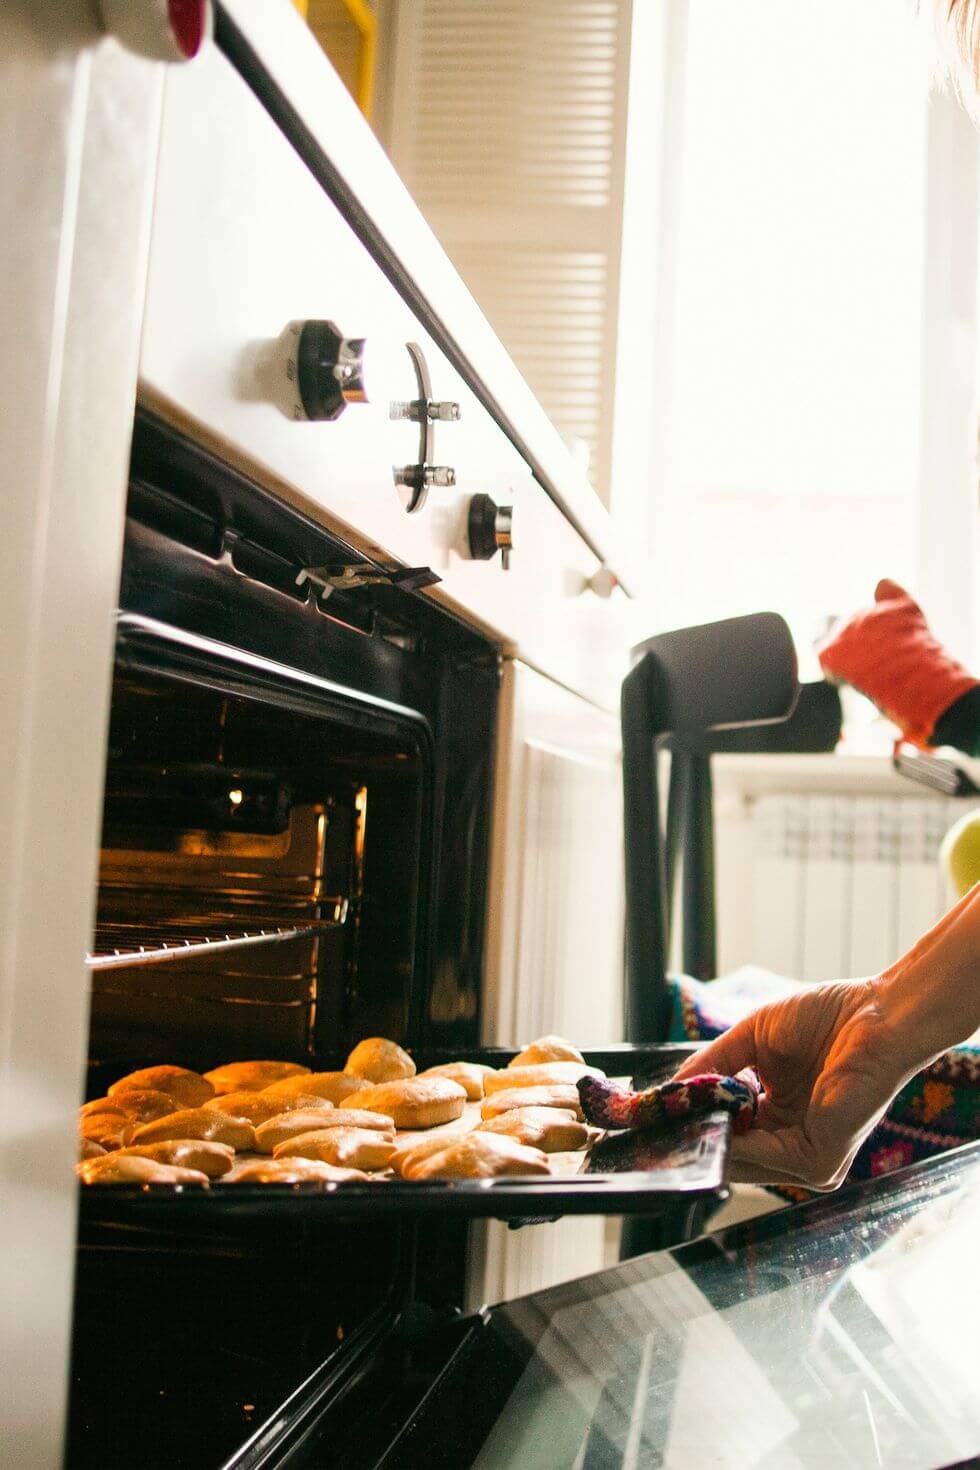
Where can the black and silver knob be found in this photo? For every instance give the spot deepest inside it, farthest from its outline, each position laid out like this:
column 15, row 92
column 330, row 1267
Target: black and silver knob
column 329, row 370
column 490, row 528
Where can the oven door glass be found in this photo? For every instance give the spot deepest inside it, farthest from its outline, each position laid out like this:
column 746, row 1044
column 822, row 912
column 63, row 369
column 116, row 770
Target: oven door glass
column 842, row 1332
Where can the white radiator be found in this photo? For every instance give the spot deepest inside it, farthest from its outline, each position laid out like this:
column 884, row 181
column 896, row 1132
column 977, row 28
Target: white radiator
column 823, row 884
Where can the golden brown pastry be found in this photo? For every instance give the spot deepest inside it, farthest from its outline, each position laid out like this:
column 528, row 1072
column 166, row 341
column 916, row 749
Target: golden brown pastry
column 542, row 1074
column 291, row 1171
column 417, row 1148
column 259, row 1107
column 352, row 1148
column 554, row 1130
column 252, row 1076
column 417, row 1102
column 469, row 1075
column 103, row 1105
column 190, row 1089
column 561, row 1095
column 547, row 1049
column 379, row 1060
column 212, row 1159
column 291, row 1125
column 89, row 1149
column 131, row 1169
column 109, row 1130
column 475, row 1156
column 141, row 1104
column 197, row 1123
column 334, row 1086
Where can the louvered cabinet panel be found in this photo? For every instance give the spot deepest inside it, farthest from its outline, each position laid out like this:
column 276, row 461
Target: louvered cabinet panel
column 507, row 120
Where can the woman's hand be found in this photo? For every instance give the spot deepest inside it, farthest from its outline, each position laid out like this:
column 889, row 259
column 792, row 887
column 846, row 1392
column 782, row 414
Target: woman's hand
column 830, row 1066
column 832, row 1058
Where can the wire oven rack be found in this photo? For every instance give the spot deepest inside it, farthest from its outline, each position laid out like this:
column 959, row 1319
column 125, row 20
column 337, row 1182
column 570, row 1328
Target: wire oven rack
column 123, row 945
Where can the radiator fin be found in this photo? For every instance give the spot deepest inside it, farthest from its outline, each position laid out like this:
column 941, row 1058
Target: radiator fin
column 842, row 884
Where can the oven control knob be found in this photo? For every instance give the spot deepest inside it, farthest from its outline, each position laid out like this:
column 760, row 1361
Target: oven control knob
column 490, row 528
column 329, row 370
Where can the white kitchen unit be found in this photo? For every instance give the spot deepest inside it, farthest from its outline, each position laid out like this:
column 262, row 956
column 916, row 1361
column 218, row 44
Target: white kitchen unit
column 164, row 242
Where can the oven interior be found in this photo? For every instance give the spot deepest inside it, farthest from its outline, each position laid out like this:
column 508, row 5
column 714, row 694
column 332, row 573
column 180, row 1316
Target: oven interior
column 274, row 863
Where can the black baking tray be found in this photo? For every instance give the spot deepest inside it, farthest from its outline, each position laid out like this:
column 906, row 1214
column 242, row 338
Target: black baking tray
column 637, row 1173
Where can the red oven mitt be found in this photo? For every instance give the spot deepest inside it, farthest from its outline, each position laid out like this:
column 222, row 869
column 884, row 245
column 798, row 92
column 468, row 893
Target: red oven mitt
column 608, row 1105
column 888, row 653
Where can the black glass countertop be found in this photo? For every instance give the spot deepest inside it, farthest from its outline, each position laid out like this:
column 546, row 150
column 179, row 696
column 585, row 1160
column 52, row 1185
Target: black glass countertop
column 842, row 1333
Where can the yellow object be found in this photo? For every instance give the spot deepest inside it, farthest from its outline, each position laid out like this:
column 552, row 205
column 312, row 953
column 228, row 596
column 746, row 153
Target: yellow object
column 347, row 30
column 960, row 853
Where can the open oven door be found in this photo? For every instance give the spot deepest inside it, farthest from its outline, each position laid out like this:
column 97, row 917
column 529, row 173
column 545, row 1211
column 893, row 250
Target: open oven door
column 280, row 1311
column 841, row 1331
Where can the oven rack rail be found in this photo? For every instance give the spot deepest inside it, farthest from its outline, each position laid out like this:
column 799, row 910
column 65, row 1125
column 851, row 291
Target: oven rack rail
column 121, row 946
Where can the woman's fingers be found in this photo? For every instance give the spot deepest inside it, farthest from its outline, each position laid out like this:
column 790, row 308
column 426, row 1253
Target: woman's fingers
column 727, row 1055
column 788, row 1156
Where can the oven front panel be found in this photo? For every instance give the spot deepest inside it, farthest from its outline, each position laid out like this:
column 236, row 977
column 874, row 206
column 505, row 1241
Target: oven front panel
column 247, row 244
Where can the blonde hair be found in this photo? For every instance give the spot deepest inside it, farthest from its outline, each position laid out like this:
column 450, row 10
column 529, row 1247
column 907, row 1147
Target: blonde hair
column 958, row 27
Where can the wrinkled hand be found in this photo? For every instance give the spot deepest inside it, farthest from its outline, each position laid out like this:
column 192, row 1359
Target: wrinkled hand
column 831, row 1061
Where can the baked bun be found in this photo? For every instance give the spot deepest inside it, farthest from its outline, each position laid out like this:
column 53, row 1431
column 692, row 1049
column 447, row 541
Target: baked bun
column 334, row 1086
column 542, row 1074
column 104, row 1105
column 252, row 1076
column 132, row 1169
column 198, row 1123
column 141, row 1104
column 189, row 1089
column 212, row 1159
column 259, row 1107
column 109, row 1130
column 475, row 1156
column 291, row 1171
column 561, row 1095
column 547, row 1049
column 417, row 1102
column 351, row 1148
column 469, row 1075
column 554, row 1130
column 378, row 1060
column 417, row 1148
column 277, row 1130
column 89, row 1149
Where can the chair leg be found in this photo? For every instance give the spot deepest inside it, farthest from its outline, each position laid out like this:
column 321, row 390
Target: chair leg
column 648, row 1002
column 699, row 871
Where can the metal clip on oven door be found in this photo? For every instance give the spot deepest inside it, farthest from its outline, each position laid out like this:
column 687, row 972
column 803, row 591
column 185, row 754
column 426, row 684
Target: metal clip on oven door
column 347, row 576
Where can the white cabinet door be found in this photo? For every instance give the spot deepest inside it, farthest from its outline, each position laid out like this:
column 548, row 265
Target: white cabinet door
column 554, row 943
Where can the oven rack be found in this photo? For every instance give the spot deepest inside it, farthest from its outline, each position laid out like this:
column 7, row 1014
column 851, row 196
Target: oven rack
column 123, row 945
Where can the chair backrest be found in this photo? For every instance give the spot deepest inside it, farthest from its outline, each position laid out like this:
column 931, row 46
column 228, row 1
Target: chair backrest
column 687, row 684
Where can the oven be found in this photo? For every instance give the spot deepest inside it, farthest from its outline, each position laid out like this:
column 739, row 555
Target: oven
column 298, row 792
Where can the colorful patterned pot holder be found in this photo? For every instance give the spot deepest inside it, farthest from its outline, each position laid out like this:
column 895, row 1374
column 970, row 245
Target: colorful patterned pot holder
column 609, row 1105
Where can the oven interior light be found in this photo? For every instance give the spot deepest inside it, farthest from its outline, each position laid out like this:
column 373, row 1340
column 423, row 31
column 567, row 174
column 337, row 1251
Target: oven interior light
column 236, row 796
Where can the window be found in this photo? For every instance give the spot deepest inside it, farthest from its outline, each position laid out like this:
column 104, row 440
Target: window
column 809, row 372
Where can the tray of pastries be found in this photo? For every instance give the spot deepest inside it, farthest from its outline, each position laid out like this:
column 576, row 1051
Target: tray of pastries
column 378, row 1134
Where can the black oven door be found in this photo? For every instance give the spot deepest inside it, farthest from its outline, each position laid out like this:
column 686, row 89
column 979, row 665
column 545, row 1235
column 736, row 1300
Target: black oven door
column 838, row 1332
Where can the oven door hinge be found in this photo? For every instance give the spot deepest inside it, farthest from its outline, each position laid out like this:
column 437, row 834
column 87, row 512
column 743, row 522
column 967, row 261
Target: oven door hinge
column 348, row 575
